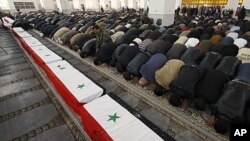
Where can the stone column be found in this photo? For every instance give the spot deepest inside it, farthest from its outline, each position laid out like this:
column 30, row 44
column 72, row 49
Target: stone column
column 145, row 5
column 48, row 5
column 178, row 3
column 77, row 4
column 116, row 4
column 232, row 4
column 163, row 9
column 132, row 3
column 246, row 4
column 64, row 6
column 92, row 5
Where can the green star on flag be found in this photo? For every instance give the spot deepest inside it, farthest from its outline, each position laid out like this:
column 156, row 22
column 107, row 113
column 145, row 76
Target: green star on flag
column 62, row 68
column 113, row 117
column 80, row 86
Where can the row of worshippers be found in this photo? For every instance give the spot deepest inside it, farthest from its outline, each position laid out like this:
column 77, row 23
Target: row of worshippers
column 196, row 62
column 148, row 61
column 207, row 84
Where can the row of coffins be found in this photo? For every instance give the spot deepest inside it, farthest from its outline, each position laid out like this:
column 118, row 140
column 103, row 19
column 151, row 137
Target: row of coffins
column 75, row 92
column 104, row 117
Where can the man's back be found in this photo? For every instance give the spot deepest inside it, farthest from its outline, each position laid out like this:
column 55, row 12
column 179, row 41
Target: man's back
column 102, row 37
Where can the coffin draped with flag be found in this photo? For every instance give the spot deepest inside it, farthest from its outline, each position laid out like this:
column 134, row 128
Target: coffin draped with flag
column 75, row 88
column 20, row 32
column 104, row 119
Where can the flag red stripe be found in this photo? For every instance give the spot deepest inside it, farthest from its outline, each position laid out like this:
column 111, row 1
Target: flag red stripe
column 62, row 89
column 92, row 127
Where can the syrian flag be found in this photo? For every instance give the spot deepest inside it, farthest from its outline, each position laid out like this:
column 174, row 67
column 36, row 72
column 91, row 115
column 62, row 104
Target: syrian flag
column 42, row 55
column 22, row 34
column 105, row 119
column 39, row 48
column 61, row 69
column 73, row 86
column 48, row 56
column 18, row 29
column 81, row 87
column 30, row 42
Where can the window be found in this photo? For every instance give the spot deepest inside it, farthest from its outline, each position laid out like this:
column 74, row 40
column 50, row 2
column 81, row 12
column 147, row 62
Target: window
column 24, row 5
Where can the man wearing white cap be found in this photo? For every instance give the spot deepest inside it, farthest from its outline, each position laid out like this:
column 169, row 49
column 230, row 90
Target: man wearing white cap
column 240, row 42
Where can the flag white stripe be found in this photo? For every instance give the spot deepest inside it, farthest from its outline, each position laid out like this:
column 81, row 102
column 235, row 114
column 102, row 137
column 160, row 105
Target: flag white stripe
column 23, row 34
column 18, row 29
column 61, row 74
column 31, row 41
column 39, row 48
column 49, row 56
column 46, row 55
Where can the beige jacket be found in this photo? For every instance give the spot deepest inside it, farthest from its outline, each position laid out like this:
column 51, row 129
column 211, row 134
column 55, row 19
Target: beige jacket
column 244, row 55
column 59, row 33
column 168, row 73
column 182, row 40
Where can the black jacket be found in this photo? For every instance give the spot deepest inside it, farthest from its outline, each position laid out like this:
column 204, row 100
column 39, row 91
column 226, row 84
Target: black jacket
column 210, row 87
column 192, row 56
column 185, row 83
column 211, row 60
column 229, row 65
column 127, row 55
column 135, row 64
column 232, row 105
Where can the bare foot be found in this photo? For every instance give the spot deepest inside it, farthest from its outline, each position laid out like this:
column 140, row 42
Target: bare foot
column 143, row 82
column 210, row 121
column 104, row 64
column 168, row 97
column 184, row 103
